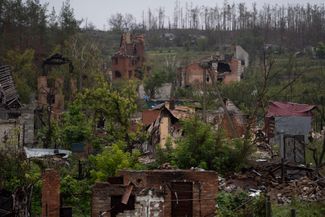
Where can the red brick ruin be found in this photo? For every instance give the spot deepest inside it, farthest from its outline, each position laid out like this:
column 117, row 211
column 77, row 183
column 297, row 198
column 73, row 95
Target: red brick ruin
column 128, row 62
column 51, row 193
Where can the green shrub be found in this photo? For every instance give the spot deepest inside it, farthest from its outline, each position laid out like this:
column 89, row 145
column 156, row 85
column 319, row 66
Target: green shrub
column 239, row 204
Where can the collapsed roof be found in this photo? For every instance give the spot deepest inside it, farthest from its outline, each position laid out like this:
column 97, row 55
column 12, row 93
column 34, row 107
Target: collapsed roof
column 8, row 93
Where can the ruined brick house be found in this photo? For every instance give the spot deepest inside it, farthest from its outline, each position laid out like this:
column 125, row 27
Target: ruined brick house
column 235, row 74
column 223, row 71
column 289, row 125
column 219, row 120
column 227, row 67
column 234, row 51
column 163, row 122
column 160, row 193
column 54, row 90
column 128, row 61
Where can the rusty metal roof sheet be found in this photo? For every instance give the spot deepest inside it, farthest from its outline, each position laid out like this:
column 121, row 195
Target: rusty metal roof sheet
column 289, row 109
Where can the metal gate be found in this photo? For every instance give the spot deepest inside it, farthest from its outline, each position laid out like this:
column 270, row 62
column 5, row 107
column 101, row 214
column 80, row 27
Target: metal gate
column 182, row 199
column 294, row 148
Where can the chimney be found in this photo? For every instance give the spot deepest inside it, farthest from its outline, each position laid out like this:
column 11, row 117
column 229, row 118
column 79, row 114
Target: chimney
column 51, row 193
column 172, row 104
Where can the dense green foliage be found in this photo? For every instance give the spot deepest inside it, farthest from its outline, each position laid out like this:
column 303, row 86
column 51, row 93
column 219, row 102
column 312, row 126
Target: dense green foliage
column 113, row 106
column 153, row 82
column 239, row 204
column 320, row 50
column 303, row 209
column 203, row 147
column 23, row 72
column 76, row 128
column 112, row 159
column 29, row 33
column 76, row 193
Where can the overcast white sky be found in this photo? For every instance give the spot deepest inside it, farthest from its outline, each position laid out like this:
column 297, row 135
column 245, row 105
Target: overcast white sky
column 98, row 11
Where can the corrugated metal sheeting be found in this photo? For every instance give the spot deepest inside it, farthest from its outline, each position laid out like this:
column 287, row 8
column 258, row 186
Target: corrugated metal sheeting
column 8, row 92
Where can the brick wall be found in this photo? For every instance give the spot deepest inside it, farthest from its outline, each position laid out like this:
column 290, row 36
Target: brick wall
column 129, row 57
column 51, row 193
column 149, row 205
column 153, row 192
column 205, row 186
column 124, row 66
column 101, row 197
column 42, row 90
column 234, row 76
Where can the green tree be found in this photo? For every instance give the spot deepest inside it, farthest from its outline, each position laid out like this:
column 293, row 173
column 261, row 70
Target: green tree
column 231, row 205
column 112, row 106
column 75, row 127
column 119, row 22
column 69, row 25
column 153, row 82
column 320, row 50
column 203, row 147
column 76, row 193
column 86, row 57
column 198, row 147
column 24, row 72
column 112, row 159
column 202, row 44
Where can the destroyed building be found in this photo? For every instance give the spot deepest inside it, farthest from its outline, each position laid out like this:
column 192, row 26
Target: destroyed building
column 160, row 193
column 241, row 55
column 234, row 51
column 162, row 122
column 193, row 75
column 54, row 90
column 16, row 120
column 220, row 120
column 223, row 69
column 128, row 61
column 289, row 125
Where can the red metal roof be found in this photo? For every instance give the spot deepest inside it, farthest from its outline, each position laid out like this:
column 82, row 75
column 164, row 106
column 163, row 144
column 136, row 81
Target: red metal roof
column 289, row 109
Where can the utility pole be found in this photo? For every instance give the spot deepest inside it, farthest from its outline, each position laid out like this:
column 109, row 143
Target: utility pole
column 205, row 95
column 208, row 66
column 231, row 124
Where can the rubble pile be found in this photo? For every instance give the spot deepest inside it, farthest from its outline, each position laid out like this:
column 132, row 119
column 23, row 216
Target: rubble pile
column 298, row 183
column 304, row 189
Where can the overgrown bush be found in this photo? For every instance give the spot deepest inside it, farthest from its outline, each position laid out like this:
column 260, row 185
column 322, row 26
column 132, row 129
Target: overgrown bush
column 112, row 159
column 239, row 204
column 203, row 147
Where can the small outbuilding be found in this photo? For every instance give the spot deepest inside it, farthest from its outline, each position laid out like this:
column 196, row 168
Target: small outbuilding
column 289, row 125
column 160, row 193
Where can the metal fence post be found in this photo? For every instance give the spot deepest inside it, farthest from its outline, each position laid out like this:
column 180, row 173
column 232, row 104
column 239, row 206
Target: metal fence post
column 268, row 206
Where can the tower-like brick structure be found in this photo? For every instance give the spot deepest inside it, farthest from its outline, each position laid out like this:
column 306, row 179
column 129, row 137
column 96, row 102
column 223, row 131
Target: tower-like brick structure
column 51, row 193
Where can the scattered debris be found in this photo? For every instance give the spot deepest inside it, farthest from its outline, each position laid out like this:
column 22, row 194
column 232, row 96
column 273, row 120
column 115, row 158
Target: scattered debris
column 304, row 189
column 16, row 203
column 42, row 152
column 299, row 183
